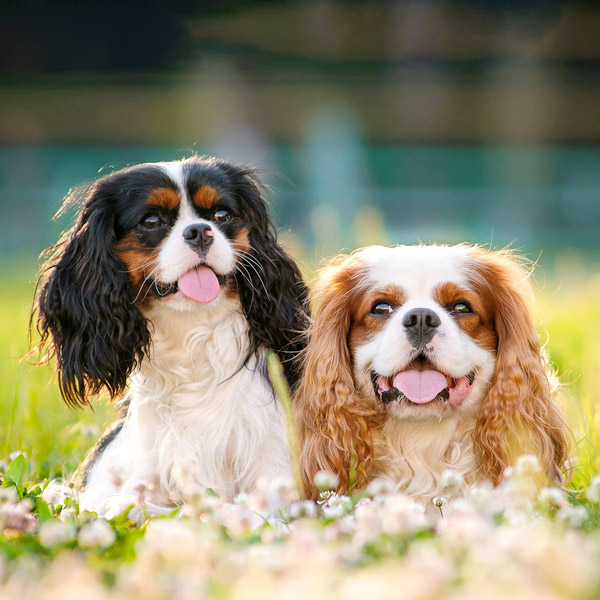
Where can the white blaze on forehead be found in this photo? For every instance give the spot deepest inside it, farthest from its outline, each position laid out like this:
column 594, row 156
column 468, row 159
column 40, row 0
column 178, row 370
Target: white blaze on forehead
column 417, row 269
column 176, row 257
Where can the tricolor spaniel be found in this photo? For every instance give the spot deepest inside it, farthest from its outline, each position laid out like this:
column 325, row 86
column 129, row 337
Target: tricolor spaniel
column 422, row 359
column 168, row 291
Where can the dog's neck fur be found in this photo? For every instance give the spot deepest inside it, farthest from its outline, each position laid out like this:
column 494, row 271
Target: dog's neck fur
column 416, row 453
column 197, row 417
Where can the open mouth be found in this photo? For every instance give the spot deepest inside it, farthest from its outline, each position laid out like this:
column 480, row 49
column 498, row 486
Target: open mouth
column 422, row 383
column 200, row 284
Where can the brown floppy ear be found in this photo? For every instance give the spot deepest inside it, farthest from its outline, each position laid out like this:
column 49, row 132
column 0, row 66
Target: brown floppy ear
column 335, row 426
column 519, row 415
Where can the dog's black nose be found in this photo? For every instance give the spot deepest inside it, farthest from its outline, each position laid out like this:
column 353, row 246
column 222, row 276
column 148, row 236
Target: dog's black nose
column 199, row 236
column 421, row 325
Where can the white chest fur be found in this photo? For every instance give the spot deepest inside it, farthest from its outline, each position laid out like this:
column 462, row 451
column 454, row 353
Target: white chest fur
column 197, row 418
column 416, row 453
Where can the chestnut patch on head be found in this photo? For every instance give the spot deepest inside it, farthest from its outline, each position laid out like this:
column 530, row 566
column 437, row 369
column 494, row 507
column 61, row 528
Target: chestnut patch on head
column 365, row 320
column 476, row 320
column 241, row 241
column 138, row 258
column 165, row 198
column 205, row 197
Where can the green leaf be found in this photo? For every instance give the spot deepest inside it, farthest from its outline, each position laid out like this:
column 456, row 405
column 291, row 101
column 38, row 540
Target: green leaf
column 16, row 471
column 43, row 510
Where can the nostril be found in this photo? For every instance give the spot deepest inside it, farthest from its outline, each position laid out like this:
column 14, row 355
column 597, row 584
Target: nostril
column 198, row 232
column 190, row 233
column 432, row 320
column 410, row 320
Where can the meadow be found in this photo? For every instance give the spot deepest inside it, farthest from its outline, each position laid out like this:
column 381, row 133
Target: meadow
column 515, row 540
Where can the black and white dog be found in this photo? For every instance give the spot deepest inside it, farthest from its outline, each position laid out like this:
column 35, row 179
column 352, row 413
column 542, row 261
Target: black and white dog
column 167, row 293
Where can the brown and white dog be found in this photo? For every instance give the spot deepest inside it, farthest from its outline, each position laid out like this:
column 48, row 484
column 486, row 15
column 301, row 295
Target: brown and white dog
column 422, row 359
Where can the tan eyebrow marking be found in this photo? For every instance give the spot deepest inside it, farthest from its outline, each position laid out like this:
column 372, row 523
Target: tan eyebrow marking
column 164, row 197
column 206, row 197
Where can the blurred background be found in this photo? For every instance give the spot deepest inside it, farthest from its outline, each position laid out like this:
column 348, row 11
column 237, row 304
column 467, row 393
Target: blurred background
column 376, row 121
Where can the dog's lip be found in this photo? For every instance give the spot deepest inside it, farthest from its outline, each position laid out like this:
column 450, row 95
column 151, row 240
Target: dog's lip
column 456, row 391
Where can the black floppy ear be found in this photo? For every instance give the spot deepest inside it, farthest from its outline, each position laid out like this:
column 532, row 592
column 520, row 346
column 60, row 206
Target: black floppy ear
column 273, row 294
column 86, row 308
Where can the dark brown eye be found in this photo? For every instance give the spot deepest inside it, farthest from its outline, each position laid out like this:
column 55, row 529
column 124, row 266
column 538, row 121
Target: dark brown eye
column 462, row 308
column 222, row 216
column 381, row 309
column 151, row 221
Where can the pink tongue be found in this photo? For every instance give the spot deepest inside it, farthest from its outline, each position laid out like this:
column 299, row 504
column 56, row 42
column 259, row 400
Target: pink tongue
column 200, row 284
column 420, row 386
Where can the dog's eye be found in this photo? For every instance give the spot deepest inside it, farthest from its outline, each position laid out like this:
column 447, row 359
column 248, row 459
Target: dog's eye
column 151, row 221
column 462, row 307
column 222, row 216
column 382, row 308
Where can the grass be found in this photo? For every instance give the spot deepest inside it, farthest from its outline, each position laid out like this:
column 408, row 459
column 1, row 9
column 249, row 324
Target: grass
column 54, row 439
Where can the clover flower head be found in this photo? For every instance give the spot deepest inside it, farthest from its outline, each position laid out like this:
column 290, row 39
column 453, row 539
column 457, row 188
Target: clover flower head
column 326, row 480
column 380, row 486
column 96, row 534
column 573, row 516
column 8, row 495
column 303, row 508
column 552, row 497
column 55, row 533
column 336, row 506
column 528, row 464
column 593, row 491
column 452, row 480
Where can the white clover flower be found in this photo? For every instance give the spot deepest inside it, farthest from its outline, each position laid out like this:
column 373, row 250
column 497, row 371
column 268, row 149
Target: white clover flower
column 326, row 480
column 8, row 495
column 439, row 501
column 96, row 534
column 367, row 517
column 283, row 486
column 593, row 492
column 452, row 480
column 553, row 497
column 303, row 508
column 380, row 486
column 399, row 514
column 337, row 506
column 242, row 499
column 528, row 464
column 56, row 492
column 54, row 533
column 573, row 516
column 508, row 473
column 67, row 514
column 17, row 517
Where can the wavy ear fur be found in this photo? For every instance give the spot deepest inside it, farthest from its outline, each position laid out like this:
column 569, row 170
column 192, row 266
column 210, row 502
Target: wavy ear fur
column 335, row 425
column 86, row 313
column 273, row 294
column 519, row 415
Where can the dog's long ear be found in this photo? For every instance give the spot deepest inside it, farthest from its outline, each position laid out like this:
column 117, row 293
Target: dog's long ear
column 273, row 294
column 86, row 310
column 335, row 425
column 519, row 415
